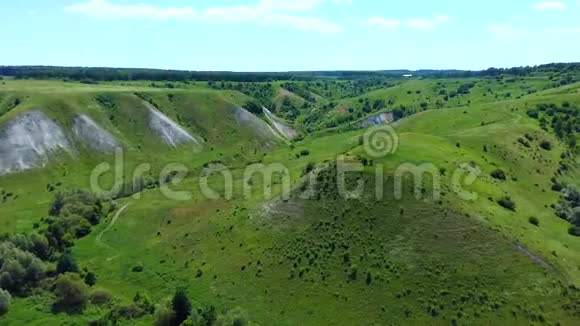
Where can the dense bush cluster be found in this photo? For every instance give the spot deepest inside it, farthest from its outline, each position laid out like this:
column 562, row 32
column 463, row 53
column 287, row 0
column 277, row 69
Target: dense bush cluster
column 71, row 216
column 564, row 120
column 19, row 269
column 26, row 260
column 569, row 209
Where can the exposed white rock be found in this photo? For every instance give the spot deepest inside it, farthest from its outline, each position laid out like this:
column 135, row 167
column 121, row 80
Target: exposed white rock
column 169, row 131
column 28, row 142
column 260, row 127
column 379, row 119
column 93, row 136
column 285, row 130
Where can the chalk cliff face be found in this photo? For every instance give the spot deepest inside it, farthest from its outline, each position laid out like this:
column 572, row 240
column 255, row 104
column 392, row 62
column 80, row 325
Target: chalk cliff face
column 93, row 136
column 169, row 131
column 259, row 126
column 29, row 140
column 285, row 130
column 380, row 119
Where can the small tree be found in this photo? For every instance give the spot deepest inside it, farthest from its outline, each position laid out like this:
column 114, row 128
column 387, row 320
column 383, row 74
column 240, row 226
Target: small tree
column 369, row 279
column 534, row 221
column 181, row 306
column 90, row 279
column 5, row 300
column 66, row 264
column 71, row 292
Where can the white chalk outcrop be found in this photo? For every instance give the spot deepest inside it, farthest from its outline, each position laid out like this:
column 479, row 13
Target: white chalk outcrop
column 169, row 131
column 93, row 136
column 259, row 126
column 283, row 129
column 29, row 140
column 379, row 119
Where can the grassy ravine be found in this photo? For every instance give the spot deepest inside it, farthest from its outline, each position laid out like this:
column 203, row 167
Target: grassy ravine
column 325, row 260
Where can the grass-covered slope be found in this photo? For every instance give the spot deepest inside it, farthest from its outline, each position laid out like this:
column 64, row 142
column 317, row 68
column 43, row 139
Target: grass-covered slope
column 324, row 260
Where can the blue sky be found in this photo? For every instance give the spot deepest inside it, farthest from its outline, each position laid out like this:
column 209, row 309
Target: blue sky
column 277, row 35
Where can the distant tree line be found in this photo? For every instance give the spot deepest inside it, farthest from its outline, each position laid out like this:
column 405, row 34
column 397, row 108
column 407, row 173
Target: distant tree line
column 526, row 71
column 137, row 74
column 130, row 74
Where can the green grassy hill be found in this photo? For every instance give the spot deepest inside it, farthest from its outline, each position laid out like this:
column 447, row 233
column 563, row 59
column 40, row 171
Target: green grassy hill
column 322, row 260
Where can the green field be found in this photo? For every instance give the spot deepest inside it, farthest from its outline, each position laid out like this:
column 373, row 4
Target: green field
column 442, row 258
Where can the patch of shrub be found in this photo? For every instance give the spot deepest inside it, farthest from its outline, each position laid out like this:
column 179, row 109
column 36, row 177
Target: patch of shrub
column 568, row 208
column 126, row 312
column 234, row 317
column 164, row 315
column 546, row 145
column 498, row 174
column 309, row 168
column 534, row 221
column 533, row 113
column 101, row 297
column 304, row 152
column 369, row 278
column 557, row 187
column 71, row 292
column 5, row 300
column 524, row 142
column 507, row 203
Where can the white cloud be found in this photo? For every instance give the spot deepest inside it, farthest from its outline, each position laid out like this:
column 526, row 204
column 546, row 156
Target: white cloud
column 420, row 23
column 569, row 30
column 294, row 5
column 264, row 12
column 380, row 22
column 105, row 9
column 549, row 5
column 416, row 23
column 442, row 19
column 506, row 31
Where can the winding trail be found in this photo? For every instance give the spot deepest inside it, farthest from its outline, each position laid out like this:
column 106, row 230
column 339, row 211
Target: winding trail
column 99, row 242
column 99, row 238
column 542, row 262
